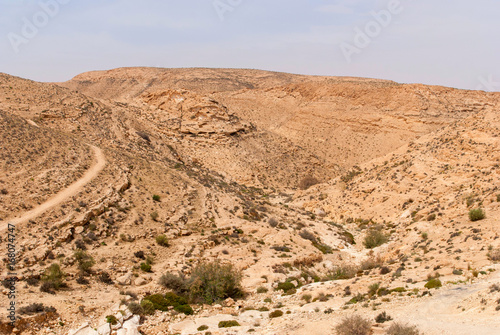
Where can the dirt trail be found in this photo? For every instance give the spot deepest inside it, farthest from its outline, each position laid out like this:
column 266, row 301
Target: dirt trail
column 62, row 196
column 440, row 314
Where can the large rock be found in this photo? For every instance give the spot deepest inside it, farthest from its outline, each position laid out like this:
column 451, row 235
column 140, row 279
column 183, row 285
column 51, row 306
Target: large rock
column 104, row 329
column 125, row 279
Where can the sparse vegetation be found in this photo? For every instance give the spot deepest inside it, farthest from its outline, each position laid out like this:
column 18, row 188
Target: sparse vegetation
column 401, row 329
column 494, row 255
column 52, row 279
column 162, row 240
column 84, row 260
column 374, row 238
column 354, row 325
column 36, row 308
column 383, row 317
column 276, row 314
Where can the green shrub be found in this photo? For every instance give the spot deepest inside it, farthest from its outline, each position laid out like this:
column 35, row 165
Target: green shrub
column 146, row 267
column 228, row 324
column 262, row 289
column 476, row 214
column 307, row 297
column 173, row 299
column 156, row 197
column 162, row 240
column 186, row 309
column 354, row 325
column 374, row 238
column 163, row 302
column 286, row 286
column 202, row 328
column 433, row 283
column 52, row 278
column 111, row 319
column 85, row 261
column 276, row 314
column 148, row 307
column 212, row 282
column 159, row 302
column 401, row 329
column 383, row 317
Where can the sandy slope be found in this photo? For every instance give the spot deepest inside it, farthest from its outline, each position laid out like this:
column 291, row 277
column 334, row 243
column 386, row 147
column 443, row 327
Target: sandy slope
column 64, row 194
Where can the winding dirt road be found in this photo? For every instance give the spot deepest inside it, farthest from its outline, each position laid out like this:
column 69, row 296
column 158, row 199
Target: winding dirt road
column 62, row 196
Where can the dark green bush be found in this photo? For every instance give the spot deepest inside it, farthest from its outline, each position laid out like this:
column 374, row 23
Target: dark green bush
column 275, row 314
column 202, row 328
column 433, row 283
column 228, row 324
column 146, row 267
column 383, row 317
column 163, row 302
column 476, row 214
column 159, row 302
column 186, row 309
column 111, row 319
column 286, row 286
column 156, row 197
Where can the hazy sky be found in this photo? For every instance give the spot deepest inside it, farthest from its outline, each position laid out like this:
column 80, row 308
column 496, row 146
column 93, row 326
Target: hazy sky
column 446, row 42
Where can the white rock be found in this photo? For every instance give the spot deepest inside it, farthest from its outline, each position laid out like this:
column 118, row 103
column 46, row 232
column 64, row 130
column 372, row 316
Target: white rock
column 85, row 329
column 125, row 279
column 140, row 281
column 132, row 323
column 104, row 329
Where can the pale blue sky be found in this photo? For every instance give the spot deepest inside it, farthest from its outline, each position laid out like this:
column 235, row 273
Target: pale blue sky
column 447, row 42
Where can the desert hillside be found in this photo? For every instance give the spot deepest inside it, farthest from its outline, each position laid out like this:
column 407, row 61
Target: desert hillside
column 303, row 200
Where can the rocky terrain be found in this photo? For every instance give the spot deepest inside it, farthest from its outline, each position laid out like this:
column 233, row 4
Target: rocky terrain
column 328, row 196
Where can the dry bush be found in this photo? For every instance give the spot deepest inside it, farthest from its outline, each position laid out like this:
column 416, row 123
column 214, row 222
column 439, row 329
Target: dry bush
column 307, row 235
column 374, row 238
column 343, row 272
column 307, row 182
column 494, row 255
column 401, row 329
column 354, row 325
column 308, row 261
